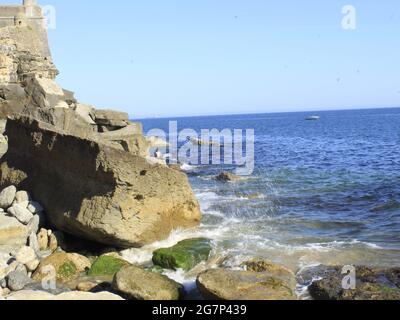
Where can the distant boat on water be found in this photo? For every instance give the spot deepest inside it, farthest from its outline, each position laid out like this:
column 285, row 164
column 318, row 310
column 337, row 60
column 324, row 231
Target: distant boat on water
column 313, row 118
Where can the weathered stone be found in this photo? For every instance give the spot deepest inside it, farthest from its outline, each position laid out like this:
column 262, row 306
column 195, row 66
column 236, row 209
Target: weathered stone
column 22, row 214
column 7, row 197
column 33, row 242
column 185, row 255
column 25, row 254
column 32, row 265
column 43, row 240
column 22, row 197
column 84, row 112
column 34, row 224
column 53, row 243
column 224, row 284
column 138, row 284
column 17, row 280
column 111, row 118
column 66, row 266
column 106, row 265
column 109, row 197
column 12, row 232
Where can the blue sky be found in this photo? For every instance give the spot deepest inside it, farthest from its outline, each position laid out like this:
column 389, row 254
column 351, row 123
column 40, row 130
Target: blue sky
column 198, row 57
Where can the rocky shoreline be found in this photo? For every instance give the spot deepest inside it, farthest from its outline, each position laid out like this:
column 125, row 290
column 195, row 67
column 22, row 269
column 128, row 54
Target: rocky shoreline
column 78, row 185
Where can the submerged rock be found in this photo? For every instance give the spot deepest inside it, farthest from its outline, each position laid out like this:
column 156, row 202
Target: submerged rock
column 98, row 192
column 106, row 265
column 371, row 284
column 224, row 284
column 138, row 284
column 185, row 255
column 228, row 177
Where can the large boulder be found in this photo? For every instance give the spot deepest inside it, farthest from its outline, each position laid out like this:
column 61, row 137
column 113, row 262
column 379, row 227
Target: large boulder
column 97, row 192
column 138, row 284
column 224, row 284
column 185, row 255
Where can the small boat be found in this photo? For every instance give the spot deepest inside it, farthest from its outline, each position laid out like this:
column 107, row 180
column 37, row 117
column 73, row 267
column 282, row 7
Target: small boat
column 313, row 118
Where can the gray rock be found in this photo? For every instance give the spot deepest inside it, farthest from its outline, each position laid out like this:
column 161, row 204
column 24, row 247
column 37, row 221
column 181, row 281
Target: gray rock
column 33, row 242
column 34, row 224
column 17, row 280
column 138, row 284
column 7, row 197
column 3, row 283
column 22, row 214
column 22, row 196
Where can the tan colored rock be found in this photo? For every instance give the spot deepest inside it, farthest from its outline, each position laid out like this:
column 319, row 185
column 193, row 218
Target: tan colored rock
column 139, row 284
column 43, row 240
column 66, row 266
column 32, row 265
column 112, row 197
column 25, row 255
column 235, row 285
column 86, row 286
column 53, row 243
column 12, row 232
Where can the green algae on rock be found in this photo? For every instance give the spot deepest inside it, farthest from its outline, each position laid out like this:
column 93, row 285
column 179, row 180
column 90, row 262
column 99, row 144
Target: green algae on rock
column 106, row 265
column 185, row 255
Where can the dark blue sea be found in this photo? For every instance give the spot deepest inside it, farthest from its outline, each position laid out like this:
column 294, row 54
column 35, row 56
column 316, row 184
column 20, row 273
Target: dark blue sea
column 324, row 191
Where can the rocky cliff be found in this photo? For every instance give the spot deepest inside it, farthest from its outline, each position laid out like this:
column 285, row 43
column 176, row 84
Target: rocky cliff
column 89, row 168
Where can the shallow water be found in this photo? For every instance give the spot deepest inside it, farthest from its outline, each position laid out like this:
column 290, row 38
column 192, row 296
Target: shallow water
column 323, row 191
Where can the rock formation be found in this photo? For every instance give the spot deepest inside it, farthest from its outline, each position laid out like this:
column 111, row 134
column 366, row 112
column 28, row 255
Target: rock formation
column 95, row 191
column 90, row 169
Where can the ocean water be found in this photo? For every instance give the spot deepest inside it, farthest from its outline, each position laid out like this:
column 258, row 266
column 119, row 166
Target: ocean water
column 324, row 191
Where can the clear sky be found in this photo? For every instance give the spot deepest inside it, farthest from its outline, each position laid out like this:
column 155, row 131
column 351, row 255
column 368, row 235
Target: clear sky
column 197, row 57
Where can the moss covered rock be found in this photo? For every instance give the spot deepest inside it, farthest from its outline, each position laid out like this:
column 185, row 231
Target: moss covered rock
column 67, row 266
column 138, row 284
column 106, row 265
column 185, row 255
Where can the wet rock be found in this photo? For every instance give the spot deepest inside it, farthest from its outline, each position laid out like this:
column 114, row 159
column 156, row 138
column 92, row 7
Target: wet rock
column 138, row 284
column 65, row 265
column 106, row 265
column 224, row 284
column 371, row 284
column 22, row 214
column 7, row 197
column 185, row 255
column 228, row 177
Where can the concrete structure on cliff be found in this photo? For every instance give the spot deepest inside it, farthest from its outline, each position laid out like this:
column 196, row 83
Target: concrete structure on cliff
column 27, row 14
